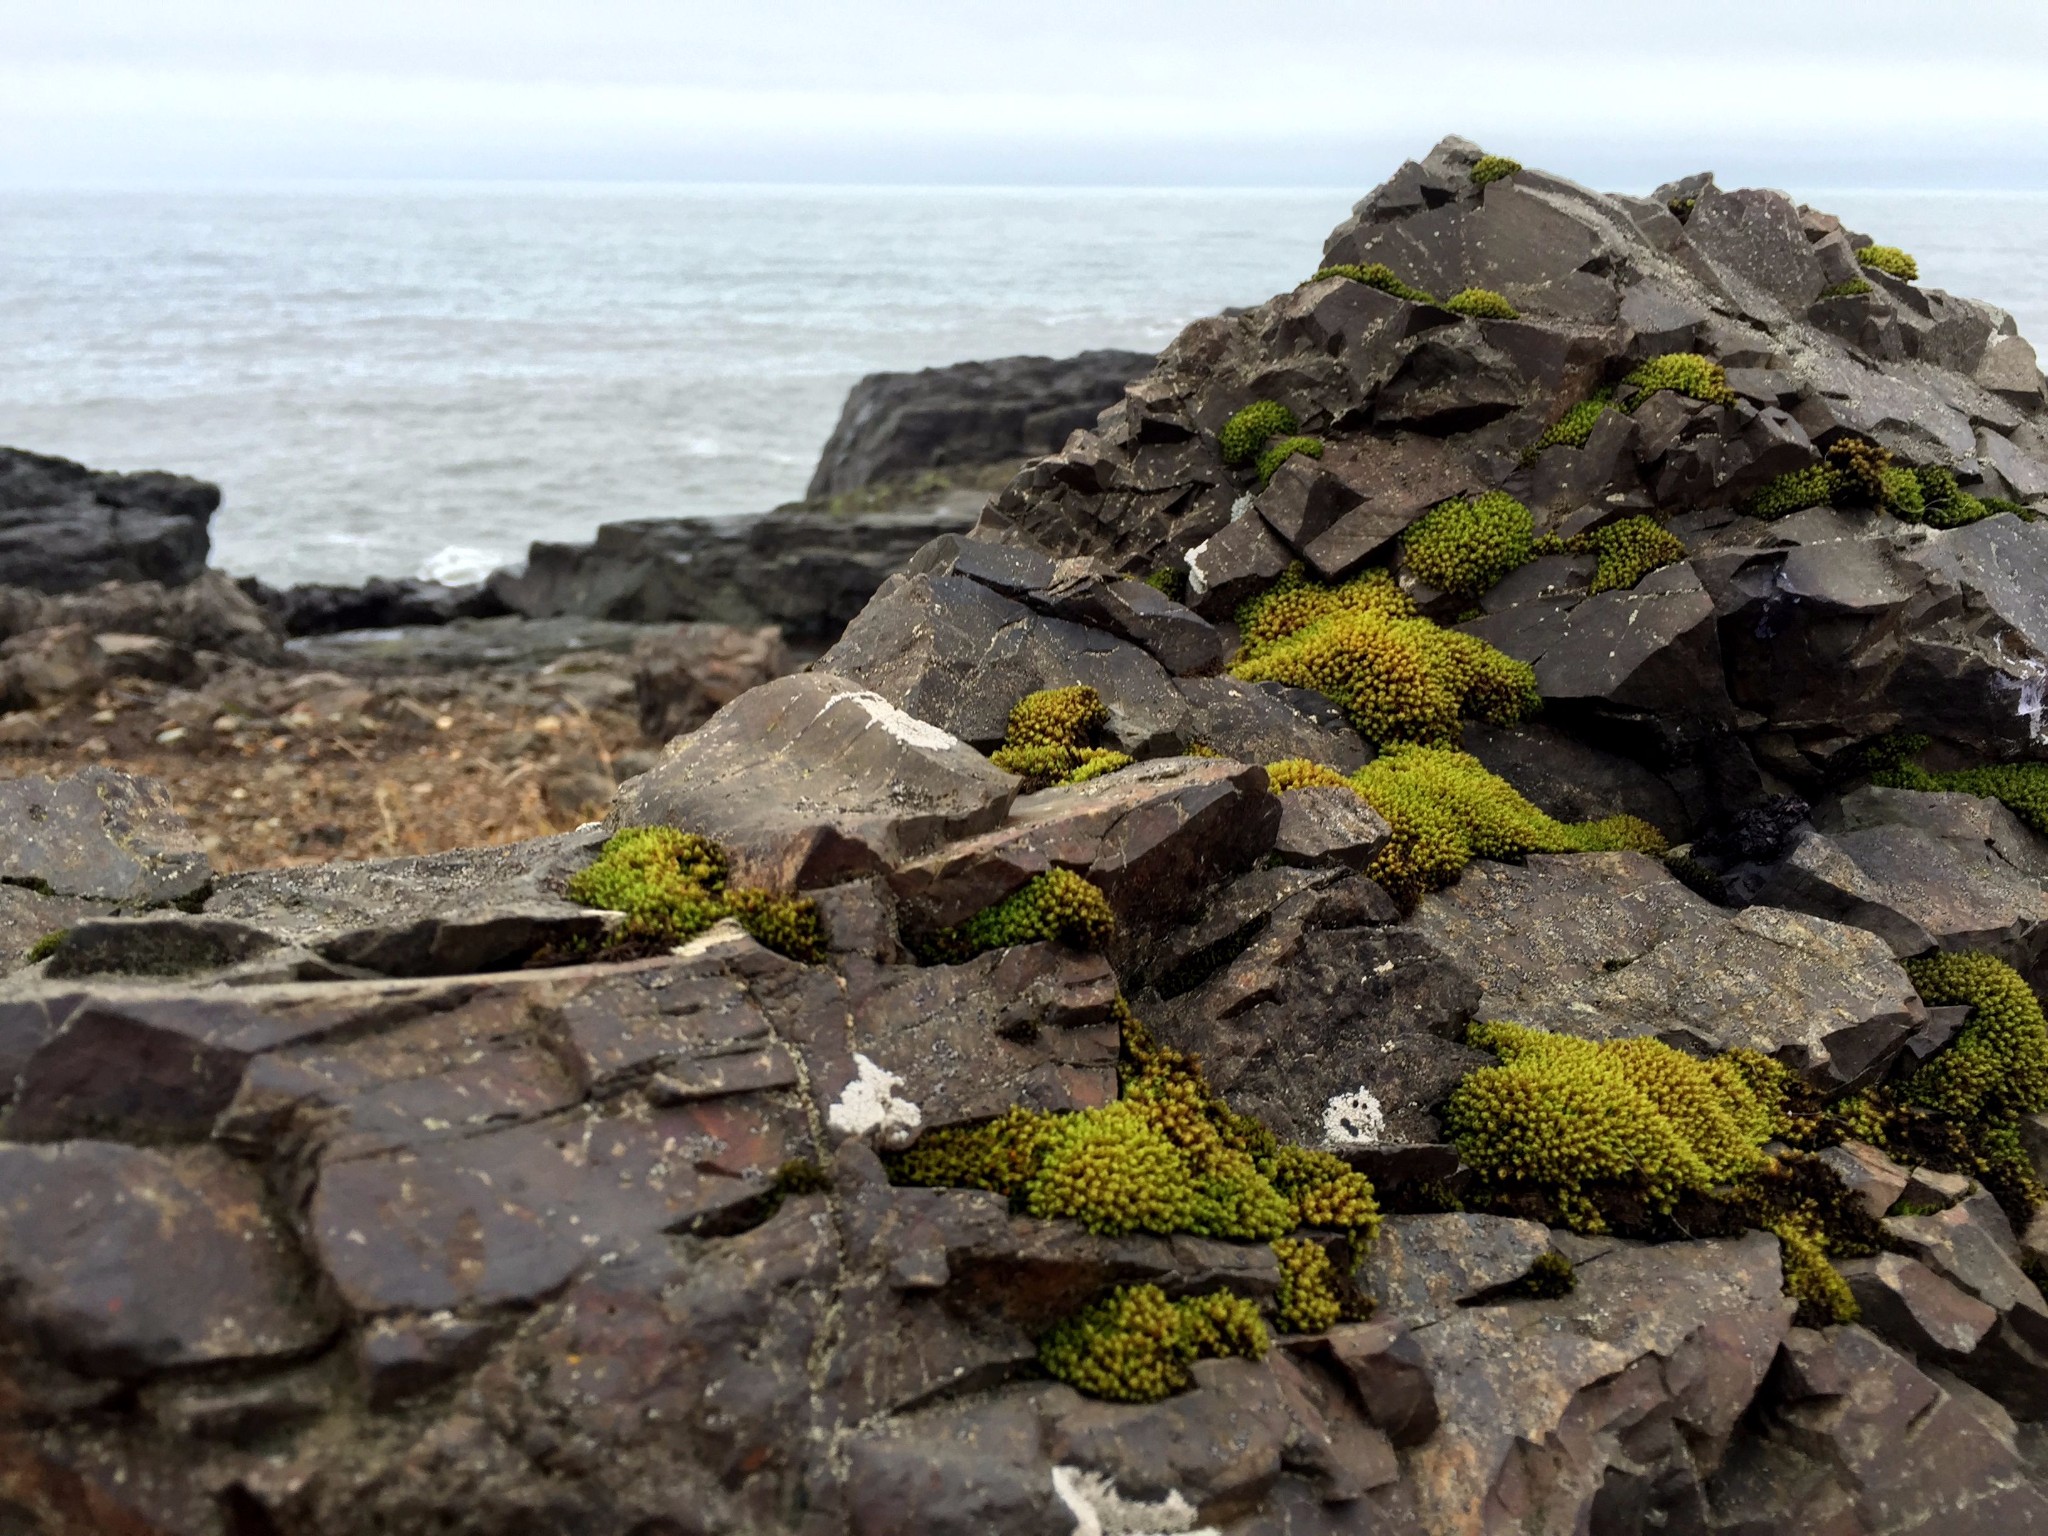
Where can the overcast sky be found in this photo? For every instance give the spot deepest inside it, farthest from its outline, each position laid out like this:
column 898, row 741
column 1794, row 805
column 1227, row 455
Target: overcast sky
column 1621, row 93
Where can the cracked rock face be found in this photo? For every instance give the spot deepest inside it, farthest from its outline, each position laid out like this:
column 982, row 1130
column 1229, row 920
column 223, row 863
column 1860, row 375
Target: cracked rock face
column 333, row 1202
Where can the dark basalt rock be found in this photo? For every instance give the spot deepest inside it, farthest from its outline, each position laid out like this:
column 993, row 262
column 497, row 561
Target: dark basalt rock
column 318, row 608
column 896, row 424
column 64, row 527
column 99, row 834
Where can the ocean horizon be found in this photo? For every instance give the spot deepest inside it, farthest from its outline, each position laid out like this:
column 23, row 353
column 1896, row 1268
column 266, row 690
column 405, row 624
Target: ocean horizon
column 422, row 378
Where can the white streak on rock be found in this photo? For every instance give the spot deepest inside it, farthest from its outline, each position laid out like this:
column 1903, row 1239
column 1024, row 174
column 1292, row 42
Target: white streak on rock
column 906, row 728
column 869, row 1105
column 1099, row 1510
column 1354, row 1120
column 1197, row 582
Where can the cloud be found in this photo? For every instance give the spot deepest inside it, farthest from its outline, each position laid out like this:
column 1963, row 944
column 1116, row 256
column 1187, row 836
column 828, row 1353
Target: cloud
column 1130, row 93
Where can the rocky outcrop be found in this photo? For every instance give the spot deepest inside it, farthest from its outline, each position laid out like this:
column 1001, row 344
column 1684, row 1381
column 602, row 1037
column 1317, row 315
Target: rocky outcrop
column 387, row 1196
column 320, row 608
column 808, row 571
column 968, row 414
column 64, row 527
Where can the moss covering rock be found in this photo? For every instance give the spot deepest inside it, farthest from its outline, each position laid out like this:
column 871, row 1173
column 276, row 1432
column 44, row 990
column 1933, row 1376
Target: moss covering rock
column 1378, row 275
column 1057, row 907
column 1891, row 261
column 1493, row 168
column 1683, row 373
column 1050, row 738
column 1363, row 644
column 1248, row 430
column 1464, row 547
column 1135, row 1346
column 1481, row 304
column 671, row 886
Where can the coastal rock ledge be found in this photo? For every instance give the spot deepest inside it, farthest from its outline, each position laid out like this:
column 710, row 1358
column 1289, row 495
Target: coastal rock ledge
column 1617, row 617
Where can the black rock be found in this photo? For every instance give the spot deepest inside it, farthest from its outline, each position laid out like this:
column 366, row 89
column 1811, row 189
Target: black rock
column 64, row 527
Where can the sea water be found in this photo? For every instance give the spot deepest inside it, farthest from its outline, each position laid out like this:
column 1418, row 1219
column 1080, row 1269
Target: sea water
column 390, row 381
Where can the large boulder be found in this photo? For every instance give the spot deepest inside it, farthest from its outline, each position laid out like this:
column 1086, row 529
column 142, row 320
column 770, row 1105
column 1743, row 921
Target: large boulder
column 968, row 414
column 64, row 527
column 814, row 779
column 99, row 834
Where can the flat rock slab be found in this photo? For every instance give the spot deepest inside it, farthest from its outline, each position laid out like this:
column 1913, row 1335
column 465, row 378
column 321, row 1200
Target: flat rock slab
column 99, row 834
column 1608, row 945
column 1269, row 722
column 27, row 917
column 1420, row 1268
column 1152, row 836
column 442, row 914
column 124, row 1261
column 509, row 1216
column 812, row 780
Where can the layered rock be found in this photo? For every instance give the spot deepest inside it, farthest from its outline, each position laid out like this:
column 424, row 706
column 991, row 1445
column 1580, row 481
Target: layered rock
column 64, row 527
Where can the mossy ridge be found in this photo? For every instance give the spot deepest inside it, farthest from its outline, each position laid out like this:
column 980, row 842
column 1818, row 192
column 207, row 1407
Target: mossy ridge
column 2021, row 788
column 1135, row 1346
column 46, row 946
column 1891, row 261
column 1445, row 809
column 1050, row 735
column 1572, row 429
column 1362, row 644
column 1169, row 1156
column 1464, row 547
column 1635, row 1134
column 1961, row 1109
column 671, row 885
column 1628, row 550
column 1057, row 907
column 1247, row 431
column 1857, row 472
column 1481, row 304
column 1848, row 288
column 1278, row 452
column 1378, row 275
column 1683, row 373
column 1492, row 168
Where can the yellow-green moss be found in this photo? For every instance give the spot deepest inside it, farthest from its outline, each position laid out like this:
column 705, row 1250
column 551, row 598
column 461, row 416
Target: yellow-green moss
column 1135, row 1346
column 1464, row 547
column 1481, row 304
column 1114, row 1172
column 1049, row 739
column 1246, row 432
column 1628, row 551
column 1997, row 1068
column 1397, row 676
column 1171, row 580
column 46, row 946
column 1492, row 168
column 1308, row 1300
column 1891, row 261
column 1574, row 1120
column 2021, row 787
column 1849, row 288
column 671, row 885
column 1057, row 907
column 1377, row 275
column 1817, row 485
column 1682, row 207
column 1274, row 454
column 1683, row 373
column 1576, row 425
column 1823, row 1295
column 1945, row 504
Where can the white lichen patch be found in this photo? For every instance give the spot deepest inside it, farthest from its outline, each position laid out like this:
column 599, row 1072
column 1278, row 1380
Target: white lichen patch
column 906, row 728
column 870, row 1107
column 1242, row 505
column 1354, row 1120
column 1099, row 1510
column 1198, row 583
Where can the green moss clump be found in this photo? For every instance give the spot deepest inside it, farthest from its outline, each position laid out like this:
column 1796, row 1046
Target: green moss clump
column 1682, row 207
column 1817, row 485
column 1945, row 504
column 1397, row 676
column 1580, row 1121
column 1381, row 276
column 1171, row 580
column 1445, row 810
column 1245, row 433
column 1481, row 304
column 1115, row 1173
column 2021, row 787
column 46, row 946
column 1050, row 735
column 1308, row 1300
column 1891, row 261
column 1464, row 547
column 1823, row 1295
column 1274, row 454
column 672, row 886
column 1057, row 907
column 1683, row 373
column 1492, row 168
column 1628, row 551
column 1135, row 1346
column 1851, row 288
column 1576, row 425
column 1549, row 1278
column 1997, row 1068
